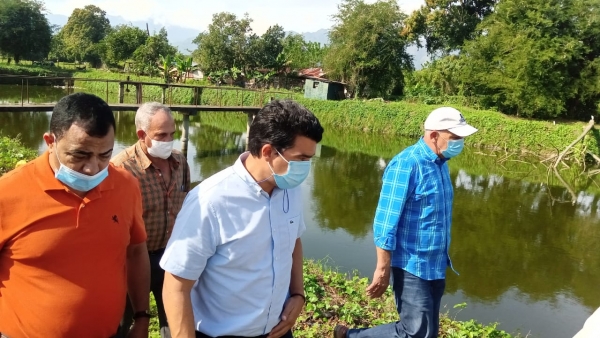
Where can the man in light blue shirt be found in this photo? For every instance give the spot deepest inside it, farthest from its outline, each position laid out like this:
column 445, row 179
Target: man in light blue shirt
column 234, row 261
column 412, row 229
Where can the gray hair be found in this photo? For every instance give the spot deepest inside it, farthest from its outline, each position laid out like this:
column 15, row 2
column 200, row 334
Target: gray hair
column 146, row 111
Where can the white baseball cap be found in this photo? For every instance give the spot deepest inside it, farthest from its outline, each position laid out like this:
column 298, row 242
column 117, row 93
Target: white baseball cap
column 450, row 119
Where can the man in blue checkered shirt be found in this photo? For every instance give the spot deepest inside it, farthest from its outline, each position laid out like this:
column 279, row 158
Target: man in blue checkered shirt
column 412, row 229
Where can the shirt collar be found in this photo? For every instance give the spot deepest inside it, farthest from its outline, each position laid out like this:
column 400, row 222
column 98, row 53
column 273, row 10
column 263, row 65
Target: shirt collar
column 242, row 172
column 429, row 154
column 145, row 161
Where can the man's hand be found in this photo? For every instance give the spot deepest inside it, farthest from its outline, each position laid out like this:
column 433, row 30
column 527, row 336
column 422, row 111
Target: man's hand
column 381, row 280
column 291, row 311
column 139, row 328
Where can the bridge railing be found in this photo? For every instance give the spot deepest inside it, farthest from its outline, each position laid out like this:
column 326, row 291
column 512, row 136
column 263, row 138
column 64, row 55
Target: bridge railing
column 30, row 90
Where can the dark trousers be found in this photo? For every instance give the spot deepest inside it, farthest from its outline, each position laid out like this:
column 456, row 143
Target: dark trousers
column 202, row 335
column 157, row 276
column 418, row 303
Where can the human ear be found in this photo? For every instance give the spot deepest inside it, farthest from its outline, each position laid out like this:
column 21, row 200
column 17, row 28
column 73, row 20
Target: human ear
column 267, row 152
column 50, row 140
column 141, row 134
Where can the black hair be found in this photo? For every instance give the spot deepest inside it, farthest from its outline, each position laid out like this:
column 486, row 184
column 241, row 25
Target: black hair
column 86, row 110
column 279, row 123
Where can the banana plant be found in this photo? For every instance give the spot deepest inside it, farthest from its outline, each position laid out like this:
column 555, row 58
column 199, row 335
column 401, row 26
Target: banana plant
column 166, row 68
column 184, row 66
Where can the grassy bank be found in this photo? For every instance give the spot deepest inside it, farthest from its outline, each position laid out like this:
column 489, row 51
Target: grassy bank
column 337, row 298
column 34, row 70
column 11, row 152
column 496, row 130
column 475, row 161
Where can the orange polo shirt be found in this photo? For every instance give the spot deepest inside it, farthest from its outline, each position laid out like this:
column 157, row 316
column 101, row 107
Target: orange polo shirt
column 62, row 257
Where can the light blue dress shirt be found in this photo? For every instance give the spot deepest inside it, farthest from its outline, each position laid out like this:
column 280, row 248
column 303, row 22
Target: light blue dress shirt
column 414, row 213
column 237, row 242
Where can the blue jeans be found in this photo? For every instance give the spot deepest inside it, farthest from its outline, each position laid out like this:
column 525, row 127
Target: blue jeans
column 418, row 304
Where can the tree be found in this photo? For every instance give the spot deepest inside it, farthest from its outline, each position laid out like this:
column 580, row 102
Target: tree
column 24, row 30
column 367, row 50
column 146, row 56
column 445, row 25
column 225, row 44
column 537, row 58
column 120, row 44
column 299, row 54
column 272, row 46
column 84, row 30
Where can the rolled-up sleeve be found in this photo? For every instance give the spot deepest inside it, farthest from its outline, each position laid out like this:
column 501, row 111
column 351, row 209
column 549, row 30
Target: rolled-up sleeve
column 194, row 239
column 397, row 184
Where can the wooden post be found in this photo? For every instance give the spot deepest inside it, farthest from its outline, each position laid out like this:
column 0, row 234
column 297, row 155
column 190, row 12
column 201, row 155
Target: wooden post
column 121, row 92
column 164, row 95
column 27, row 91
column 106, row 91
column 196, row 96
column 21, row 92
column 139, row 98
column 184, row 133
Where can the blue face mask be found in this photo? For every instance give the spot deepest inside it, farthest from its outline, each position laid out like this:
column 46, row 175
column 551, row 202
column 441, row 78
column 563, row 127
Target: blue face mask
column 455, row 147
column 297, row 172
column 77, row 180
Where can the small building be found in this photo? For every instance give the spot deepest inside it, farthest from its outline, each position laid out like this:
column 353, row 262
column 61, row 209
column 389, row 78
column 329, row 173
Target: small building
column 323, row 89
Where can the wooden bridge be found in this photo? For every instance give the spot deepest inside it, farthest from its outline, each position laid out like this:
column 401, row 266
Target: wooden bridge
column 244, row 100
column 186, row 109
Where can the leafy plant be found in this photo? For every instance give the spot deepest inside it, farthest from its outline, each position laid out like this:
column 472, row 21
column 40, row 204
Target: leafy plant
column 11, row 152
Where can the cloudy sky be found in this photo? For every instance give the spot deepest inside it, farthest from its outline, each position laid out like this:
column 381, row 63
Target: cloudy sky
column 293, row 15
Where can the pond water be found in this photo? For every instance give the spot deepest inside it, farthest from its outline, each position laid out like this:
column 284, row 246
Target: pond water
column 526, row 257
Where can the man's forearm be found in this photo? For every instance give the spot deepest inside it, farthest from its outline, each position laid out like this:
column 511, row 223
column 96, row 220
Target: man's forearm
column 138, row 277
column 178, row 306
column 297, row 280
column 384, row 259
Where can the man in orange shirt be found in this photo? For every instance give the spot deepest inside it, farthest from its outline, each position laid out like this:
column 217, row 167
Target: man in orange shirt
column 70, row 226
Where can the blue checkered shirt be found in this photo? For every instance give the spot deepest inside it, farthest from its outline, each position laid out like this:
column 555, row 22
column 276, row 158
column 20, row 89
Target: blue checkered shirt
column 414, row 213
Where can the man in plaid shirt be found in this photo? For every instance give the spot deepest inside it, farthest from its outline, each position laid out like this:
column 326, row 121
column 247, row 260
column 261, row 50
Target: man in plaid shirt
column 164, row 177
column 412, row 229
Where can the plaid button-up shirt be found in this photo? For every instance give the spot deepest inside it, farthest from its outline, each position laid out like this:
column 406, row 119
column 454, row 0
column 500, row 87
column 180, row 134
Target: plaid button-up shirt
column 414, row 213
column 161, row 201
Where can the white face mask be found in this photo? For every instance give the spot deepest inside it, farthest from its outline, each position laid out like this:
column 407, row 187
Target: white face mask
column 161, row 149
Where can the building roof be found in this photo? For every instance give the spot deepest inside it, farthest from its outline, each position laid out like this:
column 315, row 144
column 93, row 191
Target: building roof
column 316, row 74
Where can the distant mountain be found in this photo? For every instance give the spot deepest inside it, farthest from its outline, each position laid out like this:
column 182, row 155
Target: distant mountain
column 321, row 36
column 182, row 37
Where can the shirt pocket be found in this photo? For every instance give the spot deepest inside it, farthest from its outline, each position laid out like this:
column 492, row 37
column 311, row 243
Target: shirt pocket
column 292, row 225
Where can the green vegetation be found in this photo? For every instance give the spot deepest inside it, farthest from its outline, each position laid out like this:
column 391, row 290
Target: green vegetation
column 552, row 74
column 24, row 30
column 336, row 298
column 11, row 152
column 79, row 39
column 496, row 130
column 367, row 52
column 445, row 25
column 34, row 70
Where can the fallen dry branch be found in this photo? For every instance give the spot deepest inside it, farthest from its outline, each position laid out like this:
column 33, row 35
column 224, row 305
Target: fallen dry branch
column 588, row 127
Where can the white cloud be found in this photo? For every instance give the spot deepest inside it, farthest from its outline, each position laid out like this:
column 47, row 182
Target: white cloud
column 293, row 15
